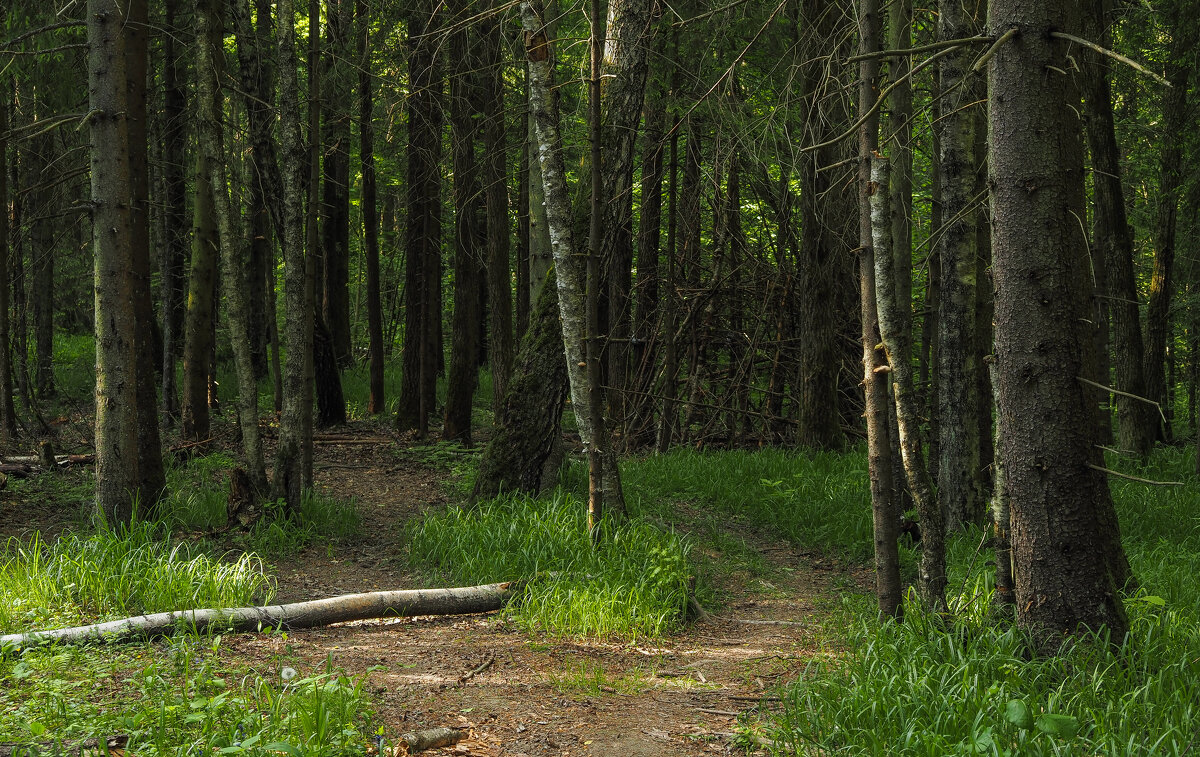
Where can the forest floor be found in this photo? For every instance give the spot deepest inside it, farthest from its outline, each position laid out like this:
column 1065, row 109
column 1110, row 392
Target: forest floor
column 518, row 693
column 542, row 695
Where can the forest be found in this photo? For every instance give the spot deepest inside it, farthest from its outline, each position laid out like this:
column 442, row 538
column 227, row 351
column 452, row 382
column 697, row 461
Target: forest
column 539, row 377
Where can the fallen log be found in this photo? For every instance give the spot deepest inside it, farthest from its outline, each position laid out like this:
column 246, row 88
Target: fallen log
column 113, row 745
column 318, row 612
column 432, row 738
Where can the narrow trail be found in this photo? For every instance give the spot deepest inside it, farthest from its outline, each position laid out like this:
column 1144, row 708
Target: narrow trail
column 523, row 695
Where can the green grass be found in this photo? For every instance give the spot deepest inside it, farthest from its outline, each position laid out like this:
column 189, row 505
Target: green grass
column 182, row 697
column 633, row 584
column 973, row 686
column 113, row 573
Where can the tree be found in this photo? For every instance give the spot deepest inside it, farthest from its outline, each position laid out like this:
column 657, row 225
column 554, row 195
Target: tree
column 1065, row 546
column 8, row 415
column 885, row 517
column 116, row 327
column 366, row 151
column 293, row 455
column 173, row 258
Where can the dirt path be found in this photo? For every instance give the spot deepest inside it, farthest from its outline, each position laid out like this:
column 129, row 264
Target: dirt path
column 540, row 696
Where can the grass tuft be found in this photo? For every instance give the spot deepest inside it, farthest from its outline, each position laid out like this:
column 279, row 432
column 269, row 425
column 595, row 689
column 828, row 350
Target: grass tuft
column 634, row 583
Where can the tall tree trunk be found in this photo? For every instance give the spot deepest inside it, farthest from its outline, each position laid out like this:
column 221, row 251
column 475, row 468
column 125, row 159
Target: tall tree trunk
column 293, row 471
column 198, row 327
column 644, row 354
column 958, row 378
column 366, row 152
column 495, row 182
column 465, row 323
column 1174, row 119
column 817, row 422
column 173, row 258
column 209, row 65
column 627, row 43
column 897, row 345
column 423, row 262
column 886, row 519
column 116, row 328
column 42, row 263
column 669, row 417
column 8, row 414
column 569, row 278
column 335, row 206
column 152, row 479
column 1065, row 543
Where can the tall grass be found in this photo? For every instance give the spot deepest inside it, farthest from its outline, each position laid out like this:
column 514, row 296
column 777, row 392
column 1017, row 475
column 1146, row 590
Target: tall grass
column 634, row 583
column 973, row 685
column 114, row 573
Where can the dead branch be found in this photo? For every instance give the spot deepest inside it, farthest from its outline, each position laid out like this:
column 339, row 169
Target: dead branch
column 432, row 738
column 319, row 612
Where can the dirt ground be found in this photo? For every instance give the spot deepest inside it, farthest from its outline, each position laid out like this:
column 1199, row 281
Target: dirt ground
column 544, row 696
column 521, row 695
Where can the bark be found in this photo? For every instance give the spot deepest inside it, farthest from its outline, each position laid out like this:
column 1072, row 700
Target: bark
column 432, row 738
column 527, row 426
column 423, row 262
column 464, row 600
column 569, row 278
column 173, row 259
column 366, row 150
column 627, row 43
column 669, row 416
column 523, row 236
column 42, row 289
column 1174, row 121
column 817, row 423
column 335, row 206
column 8, row 414
column 499, row 275
column 886, row 519
column 898, row 348
column 116, row 347
column 291, row 474
column 958, row 379
column 198, row 327
column 644, row 353
column 465, row 322
column 1001, row 517
column 1065, row 543
column 209, row 59
column 152, row 478
column 327, row 380
column 541, row 259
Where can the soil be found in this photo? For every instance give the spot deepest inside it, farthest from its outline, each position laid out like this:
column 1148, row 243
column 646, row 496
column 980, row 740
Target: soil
column 524, row 695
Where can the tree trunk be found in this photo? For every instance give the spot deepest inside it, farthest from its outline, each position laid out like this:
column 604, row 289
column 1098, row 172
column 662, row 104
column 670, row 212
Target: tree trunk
column 958, row 379
column 42, row 262
column 465, row 324
column 291, row 474
column 116, row 328
column 898, row 348
column 423, row 262
column 886, row 519
column 1065, row 543
column 173, row 259
column 669, row 417
column 1174, row 119
column 569, row 277
column 627, row 43
column 8, row 414
column 644, row 355
column 499, row 270
column 366, row 150
column 527, row 426
column 209, row 64
column 335, row 206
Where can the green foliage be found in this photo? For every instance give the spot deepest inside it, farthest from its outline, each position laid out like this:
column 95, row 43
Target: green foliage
column 634, row 583
column 114, row 573
column 973, row 685
column 184, row 699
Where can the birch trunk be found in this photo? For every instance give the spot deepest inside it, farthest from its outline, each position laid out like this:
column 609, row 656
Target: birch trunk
column 569, row 274
column 898, row 346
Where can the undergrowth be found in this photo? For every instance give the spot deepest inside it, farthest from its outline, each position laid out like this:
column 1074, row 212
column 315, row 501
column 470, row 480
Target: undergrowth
column 112, row 573
column 633, row 583
column 973, row 685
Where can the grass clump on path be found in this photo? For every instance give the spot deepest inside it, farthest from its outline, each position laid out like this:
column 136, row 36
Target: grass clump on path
column 633, row 584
